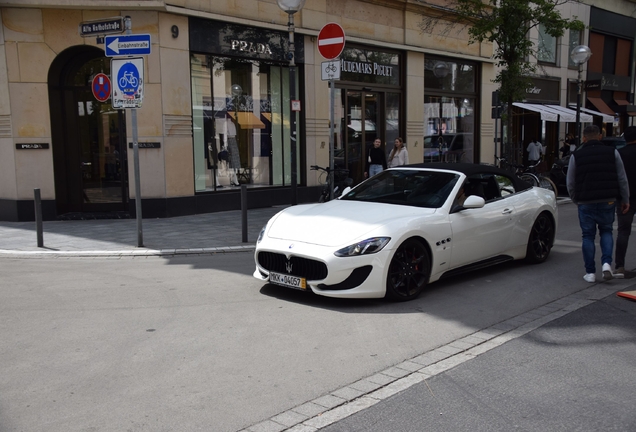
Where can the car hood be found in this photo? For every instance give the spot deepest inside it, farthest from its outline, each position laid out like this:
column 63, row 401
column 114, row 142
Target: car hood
column 340, row 222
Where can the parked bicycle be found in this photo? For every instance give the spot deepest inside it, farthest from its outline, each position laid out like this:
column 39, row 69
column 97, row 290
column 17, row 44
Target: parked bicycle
column 342, row 180
column 528, row 174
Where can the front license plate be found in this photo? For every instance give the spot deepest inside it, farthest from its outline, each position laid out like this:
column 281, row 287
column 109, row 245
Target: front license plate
column 288, row 281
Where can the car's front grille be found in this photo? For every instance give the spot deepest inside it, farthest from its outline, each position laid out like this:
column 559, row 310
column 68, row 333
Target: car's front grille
column 296, row 266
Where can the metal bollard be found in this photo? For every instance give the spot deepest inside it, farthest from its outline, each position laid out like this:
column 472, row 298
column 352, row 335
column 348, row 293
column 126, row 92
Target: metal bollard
column 244, row 212
column 38, row 217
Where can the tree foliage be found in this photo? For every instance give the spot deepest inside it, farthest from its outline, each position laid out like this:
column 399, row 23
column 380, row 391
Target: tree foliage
column 506, row 24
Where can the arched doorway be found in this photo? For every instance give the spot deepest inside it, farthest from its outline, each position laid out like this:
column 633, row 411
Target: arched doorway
column 88, row 137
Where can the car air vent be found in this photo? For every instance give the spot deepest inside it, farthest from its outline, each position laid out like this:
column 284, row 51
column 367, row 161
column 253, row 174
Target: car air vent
column 296, row 266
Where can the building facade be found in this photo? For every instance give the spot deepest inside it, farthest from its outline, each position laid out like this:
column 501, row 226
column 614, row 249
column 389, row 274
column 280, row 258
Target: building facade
column 548, row 112
column 216, row 108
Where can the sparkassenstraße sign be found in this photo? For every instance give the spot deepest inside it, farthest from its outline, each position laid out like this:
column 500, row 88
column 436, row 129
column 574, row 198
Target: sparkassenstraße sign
column 102, row 27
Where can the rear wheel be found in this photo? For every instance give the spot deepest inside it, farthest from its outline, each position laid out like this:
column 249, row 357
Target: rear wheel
column 409, row 271
column 530, row 179
column 540, row 240
column 548, row 184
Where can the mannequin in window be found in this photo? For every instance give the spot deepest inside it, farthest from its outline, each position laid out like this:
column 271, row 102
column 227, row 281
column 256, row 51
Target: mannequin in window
column 234, row 159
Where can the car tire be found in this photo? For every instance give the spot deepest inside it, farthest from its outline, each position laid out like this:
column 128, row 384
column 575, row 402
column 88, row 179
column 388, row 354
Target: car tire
column 408, row 272
column 548, row 184
column 540, row 240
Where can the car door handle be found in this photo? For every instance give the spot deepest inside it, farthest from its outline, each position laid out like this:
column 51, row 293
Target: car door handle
column 507, row 211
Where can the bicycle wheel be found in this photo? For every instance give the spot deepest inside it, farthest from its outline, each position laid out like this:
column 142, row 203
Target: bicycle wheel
column 530, row 179
column 548, row 184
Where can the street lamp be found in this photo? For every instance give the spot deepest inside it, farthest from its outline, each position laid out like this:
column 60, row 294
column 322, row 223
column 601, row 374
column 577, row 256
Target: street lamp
column 290, row 7
column 579, row 55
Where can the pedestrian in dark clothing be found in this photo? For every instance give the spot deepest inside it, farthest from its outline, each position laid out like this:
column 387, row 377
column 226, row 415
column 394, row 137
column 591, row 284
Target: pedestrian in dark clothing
column 565, row 149
column 628, row 155
column 596, row 179
column 376, row 160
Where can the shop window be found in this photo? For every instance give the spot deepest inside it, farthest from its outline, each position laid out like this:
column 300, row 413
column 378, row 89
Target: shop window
column 547, row 47
column 455, row 75
column 449, row 129
column 575, row 40
column 240, row 113
column 449, row 110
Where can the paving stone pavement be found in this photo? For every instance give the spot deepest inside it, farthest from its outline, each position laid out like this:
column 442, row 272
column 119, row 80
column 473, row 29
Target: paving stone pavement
column 203, row 233
column 196, row 234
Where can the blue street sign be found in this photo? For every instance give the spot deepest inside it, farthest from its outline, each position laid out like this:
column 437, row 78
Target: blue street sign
column 128, row 79
column 125, row 45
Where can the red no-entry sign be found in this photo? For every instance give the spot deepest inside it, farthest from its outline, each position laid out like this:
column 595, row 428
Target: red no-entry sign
column 101, row 87
column 331, row 41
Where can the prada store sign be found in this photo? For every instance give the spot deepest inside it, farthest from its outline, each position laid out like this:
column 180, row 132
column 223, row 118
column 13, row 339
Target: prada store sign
column 223, row 38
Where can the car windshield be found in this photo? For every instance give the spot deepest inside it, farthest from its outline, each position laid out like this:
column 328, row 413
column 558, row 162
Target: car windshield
column 418, row 188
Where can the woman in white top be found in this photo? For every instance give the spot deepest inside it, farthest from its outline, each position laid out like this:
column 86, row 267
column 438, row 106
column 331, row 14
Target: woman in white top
column 399, row 155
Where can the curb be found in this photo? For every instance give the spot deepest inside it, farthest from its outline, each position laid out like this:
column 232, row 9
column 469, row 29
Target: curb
column 355, row 397
column 130, row 253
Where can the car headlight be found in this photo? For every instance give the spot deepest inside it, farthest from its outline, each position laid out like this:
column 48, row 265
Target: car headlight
column 261, row 234
column 365, row 247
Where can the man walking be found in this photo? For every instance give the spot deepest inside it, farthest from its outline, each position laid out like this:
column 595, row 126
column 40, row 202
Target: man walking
column 535, row 150
column 628, row 156
column 596, row 180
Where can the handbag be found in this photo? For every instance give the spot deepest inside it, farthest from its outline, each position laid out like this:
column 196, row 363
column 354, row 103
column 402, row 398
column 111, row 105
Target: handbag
column 223, row 155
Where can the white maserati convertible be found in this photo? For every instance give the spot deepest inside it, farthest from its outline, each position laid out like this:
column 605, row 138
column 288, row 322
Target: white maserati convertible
column 407, row 227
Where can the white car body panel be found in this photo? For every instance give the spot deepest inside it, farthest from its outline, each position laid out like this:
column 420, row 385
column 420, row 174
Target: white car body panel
column 455, row 239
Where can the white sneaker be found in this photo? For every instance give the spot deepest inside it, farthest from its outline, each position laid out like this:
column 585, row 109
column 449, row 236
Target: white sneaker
column 607, row 271
column 590, row 277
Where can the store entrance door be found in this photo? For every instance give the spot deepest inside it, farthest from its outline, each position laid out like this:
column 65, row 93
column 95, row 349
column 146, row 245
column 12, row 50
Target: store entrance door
column 363, row 126
column 89, row 139
column 361, row 117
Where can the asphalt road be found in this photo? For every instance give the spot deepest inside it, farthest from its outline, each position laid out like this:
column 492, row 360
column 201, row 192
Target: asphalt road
column 191, row 343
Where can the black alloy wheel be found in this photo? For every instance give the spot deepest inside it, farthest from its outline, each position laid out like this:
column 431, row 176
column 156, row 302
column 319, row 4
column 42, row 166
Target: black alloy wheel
column 409, row 271
column 540, row 240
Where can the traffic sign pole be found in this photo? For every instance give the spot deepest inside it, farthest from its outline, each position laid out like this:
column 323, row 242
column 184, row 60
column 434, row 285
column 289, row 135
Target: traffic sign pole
column 140, row 233
column 331, row 42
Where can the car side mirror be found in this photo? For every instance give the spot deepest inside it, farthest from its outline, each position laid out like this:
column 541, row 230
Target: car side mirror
column 345, row 191
column 474, row 201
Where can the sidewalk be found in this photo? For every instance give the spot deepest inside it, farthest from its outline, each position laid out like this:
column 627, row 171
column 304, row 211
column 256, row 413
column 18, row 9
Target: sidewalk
column 197, row 234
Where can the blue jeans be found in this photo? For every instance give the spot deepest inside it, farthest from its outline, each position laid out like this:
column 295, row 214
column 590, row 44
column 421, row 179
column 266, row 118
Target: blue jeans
column 591, row 216
column 374, row 169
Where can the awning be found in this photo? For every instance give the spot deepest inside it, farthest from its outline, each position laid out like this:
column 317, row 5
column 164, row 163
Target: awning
column 569, row 116
column 606, row 118
column 554, row 112
column 601, row 105
column 545, row 114
column 247, row 120
column 625, row 106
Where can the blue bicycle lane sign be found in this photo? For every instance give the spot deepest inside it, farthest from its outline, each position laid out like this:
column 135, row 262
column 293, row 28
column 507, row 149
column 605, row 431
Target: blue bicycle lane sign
column 128, row 82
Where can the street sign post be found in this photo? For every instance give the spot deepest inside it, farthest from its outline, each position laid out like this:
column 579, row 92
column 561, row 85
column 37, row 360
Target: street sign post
column 128, row 82
column 127, row 45
column 102, row 27
column 101, row 87
column 331, row 41
column 330, row 70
